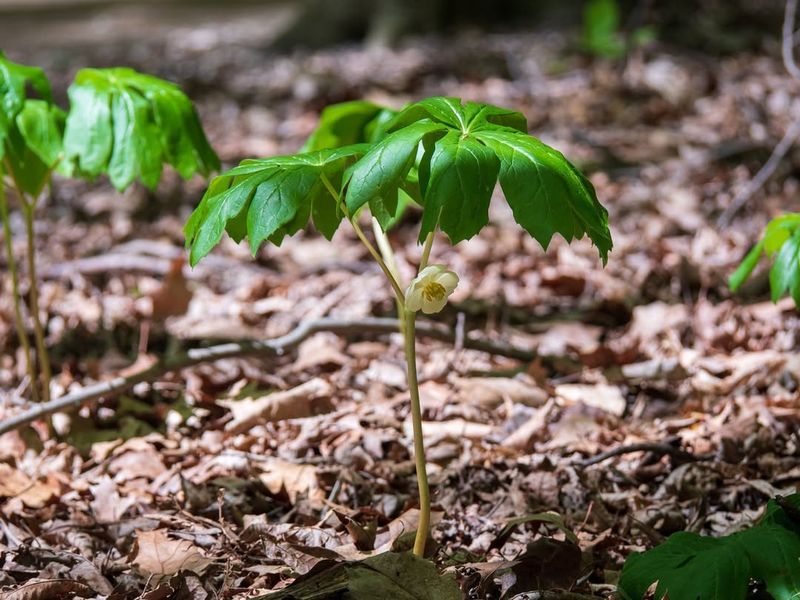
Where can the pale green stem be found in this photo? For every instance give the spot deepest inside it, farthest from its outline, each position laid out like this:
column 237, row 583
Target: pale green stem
column 426, row 251
column 419, row 442
column 19, row 321
column 360, row 233
column 407, row 320
column 28, row 210
column 388, row 256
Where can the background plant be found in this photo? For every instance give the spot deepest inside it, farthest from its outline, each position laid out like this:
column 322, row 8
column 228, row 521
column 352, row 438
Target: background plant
column 688, row 565
column 780, row 243
column 441, row 154
column 121, row 123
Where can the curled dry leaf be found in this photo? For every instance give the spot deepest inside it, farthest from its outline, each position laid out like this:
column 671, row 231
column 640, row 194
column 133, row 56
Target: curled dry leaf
column 156, row 554
column 50, row 589
column 603, row 396
column 293, row 479
column 305, row 400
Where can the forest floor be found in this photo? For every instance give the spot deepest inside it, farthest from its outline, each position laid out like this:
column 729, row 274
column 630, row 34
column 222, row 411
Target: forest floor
column 240, row 475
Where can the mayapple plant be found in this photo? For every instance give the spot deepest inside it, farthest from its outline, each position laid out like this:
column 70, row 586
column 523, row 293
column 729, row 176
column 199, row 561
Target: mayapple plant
column 120, row 123
column 440, row 154
column 780, row 243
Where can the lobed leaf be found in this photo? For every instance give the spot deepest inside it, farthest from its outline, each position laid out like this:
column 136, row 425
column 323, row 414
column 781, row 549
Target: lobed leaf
column 127, row 125
column 271, row 198
column 460, row 151
column 15, row 80
column 703, row 568
column 780, row 243
column 29, row 165
column 349, row 123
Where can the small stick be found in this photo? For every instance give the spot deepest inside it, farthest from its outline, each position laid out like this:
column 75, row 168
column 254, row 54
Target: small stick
column 656, row 448
column 275, row 347
column 792, row 133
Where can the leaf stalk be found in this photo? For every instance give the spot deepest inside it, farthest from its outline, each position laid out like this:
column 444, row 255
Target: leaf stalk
column 19, row 320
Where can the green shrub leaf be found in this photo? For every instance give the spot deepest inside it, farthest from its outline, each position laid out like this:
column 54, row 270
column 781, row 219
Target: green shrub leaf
column 271, row 198
column 127, row 125
column 702, row 568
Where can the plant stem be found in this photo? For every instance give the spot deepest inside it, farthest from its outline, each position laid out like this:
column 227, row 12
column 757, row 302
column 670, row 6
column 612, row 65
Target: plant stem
column 28, row 210
column 388, row 256
column 419, row 442
column 426, row 251
column 19, row 321
column 360, row 233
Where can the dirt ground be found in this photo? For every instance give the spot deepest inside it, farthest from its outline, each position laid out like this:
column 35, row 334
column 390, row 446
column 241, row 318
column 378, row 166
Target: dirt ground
column 652, row 349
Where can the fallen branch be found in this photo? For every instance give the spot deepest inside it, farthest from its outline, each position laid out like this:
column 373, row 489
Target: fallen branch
column 654, row 447
column 274, row 348
column 792, row 133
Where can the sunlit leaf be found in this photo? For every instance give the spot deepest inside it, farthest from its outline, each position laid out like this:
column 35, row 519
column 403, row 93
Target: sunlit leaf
column 268, row 199
column 128, row 125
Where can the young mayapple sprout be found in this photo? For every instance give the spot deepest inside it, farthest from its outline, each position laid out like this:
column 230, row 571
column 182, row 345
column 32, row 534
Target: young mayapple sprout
column 441, row 156
column 430, row 289
column 121, row 123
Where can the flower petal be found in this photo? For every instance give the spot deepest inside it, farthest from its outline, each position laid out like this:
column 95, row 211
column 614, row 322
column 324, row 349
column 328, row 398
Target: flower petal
column 429, row 271
column 448, row 280
column 413, row 298
column 430, row 307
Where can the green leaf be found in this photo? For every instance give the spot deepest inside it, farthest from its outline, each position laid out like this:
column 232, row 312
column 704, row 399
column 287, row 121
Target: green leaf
column 463, row 173
column 601, row 29
column 401, row 576
column 15, row 79
column 547, row 194
column 459, row 150
column 41, row 125
column 268, row 199
column 702, row 568
column 462, row 117
column 348, row 123
column 785, row 273
column 383, row 170
column 127, row 125
column 26, row 166
column 745, row 269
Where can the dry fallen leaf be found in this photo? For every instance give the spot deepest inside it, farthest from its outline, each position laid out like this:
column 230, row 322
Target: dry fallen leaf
column 493, row 391
column 156, row 554
column 295, row 479
column 305, row 400
column 603, row 396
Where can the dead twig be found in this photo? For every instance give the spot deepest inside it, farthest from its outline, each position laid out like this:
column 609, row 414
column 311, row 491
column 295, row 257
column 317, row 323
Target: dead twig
column 654, row 447
column 789, row 138
column 271, row 348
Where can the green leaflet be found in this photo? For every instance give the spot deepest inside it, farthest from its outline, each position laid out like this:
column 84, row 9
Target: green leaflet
column 463, row 173
column 688, row 566
column 781, row 243
column 271, row 198
column 41, row 125
column 348, row 123
column 128, row 125
column 385, row 168
column 14, row 79
column 29, row 128
column 460, row 150
column 547, row 194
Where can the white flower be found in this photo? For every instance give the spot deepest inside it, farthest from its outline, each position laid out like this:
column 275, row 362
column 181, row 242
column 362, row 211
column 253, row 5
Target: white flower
column 430, row 289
